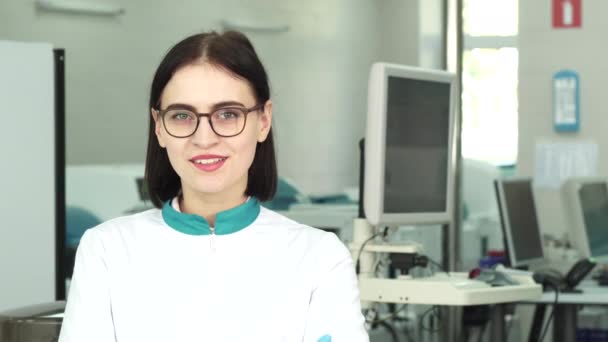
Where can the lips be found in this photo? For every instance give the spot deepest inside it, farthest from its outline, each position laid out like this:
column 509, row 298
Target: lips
column 208, row 162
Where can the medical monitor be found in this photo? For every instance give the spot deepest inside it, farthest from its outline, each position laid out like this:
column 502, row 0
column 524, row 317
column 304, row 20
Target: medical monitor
column 522, row 234
column 587, row 209
column 409, row 157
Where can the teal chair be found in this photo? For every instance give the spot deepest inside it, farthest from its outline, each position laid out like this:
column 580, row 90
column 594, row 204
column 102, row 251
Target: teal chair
column 286, row 195
column 78, row 220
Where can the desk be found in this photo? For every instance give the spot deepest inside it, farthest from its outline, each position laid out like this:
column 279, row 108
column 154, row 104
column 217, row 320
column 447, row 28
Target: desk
column 566, row 310
column 445, row 290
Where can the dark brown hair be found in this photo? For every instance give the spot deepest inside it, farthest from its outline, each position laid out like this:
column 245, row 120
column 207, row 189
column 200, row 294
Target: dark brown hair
column 233, row 52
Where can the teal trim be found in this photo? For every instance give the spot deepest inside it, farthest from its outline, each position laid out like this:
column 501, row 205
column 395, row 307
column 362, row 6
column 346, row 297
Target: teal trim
column 507, row 170
column 226, row 222
column 325, row 338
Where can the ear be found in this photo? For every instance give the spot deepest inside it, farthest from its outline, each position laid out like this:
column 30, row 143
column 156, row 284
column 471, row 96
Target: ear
column 265, row 119
column 158, row 127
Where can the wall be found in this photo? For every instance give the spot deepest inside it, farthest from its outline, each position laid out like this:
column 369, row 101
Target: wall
column 543, row 51
column 431, row 47
column 318, row 71
column 399, row 30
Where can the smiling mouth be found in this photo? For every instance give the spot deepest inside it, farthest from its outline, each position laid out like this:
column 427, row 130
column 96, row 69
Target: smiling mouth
column 209, row 161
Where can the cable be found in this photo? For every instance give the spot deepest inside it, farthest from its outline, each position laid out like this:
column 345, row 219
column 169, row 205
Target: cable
column 439, row 266
column 408, row 329
column 380, row 265
column 387, row 317
column 542, row 336
column 556, row 289
column 423, row 316
column 391, row 329
column 424, row 259
column 357, row 267
column 408, row 335
column 370, row 315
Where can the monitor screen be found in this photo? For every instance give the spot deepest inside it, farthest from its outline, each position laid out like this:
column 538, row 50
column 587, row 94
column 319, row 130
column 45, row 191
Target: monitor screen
column 594, row 205
column 520, row 224
column 417, row 142
column 409, row 156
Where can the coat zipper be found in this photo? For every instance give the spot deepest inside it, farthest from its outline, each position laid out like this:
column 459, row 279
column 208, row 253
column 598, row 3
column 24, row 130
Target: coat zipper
column 212, row 239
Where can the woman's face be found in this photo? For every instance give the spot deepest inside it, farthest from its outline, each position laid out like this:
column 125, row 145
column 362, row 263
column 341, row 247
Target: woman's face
column 205, row 162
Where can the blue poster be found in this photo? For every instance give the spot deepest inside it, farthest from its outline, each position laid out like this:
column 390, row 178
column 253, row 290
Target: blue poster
column 566, row 101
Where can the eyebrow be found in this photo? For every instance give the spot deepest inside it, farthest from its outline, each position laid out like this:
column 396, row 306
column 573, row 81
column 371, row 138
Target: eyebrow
column 215, row 106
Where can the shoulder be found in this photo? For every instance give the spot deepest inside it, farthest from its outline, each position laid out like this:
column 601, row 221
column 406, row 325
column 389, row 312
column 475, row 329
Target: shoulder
column 122, row 229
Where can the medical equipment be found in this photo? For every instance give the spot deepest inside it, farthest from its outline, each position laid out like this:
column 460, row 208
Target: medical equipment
column 409, row 145
column 409, row 173
column 453, row 288
column 523, row 238
column 586, row 201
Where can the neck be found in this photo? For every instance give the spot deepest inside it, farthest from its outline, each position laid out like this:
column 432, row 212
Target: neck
column 208, row 205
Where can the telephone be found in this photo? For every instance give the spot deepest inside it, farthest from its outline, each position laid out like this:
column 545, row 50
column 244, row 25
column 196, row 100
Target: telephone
column 552, row 279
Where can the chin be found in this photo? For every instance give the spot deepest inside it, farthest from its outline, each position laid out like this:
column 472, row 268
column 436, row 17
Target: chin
column 210, row 188
column 206, row 183
column 213, row 184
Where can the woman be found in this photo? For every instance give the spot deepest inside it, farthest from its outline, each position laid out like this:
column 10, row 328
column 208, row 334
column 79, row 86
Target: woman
column 211, row 264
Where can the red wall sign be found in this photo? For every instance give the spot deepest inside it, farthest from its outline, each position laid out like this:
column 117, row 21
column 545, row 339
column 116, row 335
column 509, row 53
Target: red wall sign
column 567, row 13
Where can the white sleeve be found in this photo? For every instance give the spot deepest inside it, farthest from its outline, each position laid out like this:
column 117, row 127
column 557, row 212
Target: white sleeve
column 335, row 309
column 88, row 314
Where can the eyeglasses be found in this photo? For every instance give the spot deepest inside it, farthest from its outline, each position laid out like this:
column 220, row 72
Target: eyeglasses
column 225, row 122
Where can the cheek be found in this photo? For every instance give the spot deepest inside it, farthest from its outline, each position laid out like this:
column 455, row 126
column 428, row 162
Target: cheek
column 174, row 152
column 246, row 151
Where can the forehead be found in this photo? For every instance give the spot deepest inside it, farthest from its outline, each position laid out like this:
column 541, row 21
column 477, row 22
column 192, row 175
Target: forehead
column 202, row 85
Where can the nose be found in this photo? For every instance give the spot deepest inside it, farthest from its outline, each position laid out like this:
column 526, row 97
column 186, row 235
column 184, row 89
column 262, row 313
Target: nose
column 204, row 136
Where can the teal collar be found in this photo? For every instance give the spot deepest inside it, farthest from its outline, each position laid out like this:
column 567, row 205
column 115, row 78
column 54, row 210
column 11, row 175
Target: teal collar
column 226, row 222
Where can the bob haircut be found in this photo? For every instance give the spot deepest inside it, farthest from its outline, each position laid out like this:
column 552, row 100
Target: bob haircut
column 233, row 52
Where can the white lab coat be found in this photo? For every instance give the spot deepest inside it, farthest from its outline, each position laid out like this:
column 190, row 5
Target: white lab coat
column 137, row 279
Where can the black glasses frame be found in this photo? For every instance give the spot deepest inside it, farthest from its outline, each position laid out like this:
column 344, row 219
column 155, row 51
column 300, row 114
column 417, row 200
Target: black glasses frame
column 246, row 111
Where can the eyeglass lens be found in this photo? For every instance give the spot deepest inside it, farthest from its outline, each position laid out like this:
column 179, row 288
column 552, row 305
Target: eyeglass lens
column 224, row 121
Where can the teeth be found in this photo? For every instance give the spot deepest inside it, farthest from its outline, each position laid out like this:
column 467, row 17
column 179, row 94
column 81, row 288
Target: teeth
column 209, row 161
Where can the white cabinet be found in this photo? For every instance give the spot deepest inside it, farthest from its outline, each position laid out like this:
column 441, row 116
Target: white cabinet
column 27, row 174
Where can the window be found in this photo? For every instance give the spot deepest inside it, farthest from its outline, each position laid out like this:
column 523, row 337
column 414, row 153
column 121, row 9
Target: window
column 489, row 81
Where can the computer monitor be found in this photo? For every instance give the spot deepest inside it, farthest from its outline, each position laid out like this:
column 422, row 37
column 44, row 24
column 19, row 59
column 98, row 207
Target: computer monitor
column 587, row 209
column 522, row 235
column 409, row 148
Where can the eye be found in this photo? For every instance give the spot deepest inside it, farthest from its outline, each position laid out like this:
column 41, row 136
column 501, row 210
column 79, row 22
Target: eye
column 228, row 114
column 180, row 115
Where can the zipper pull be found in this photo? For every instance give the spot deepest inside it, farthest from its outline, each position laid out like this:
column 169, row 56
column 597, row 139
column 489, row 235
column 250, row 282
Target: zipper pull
column 212, row 239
